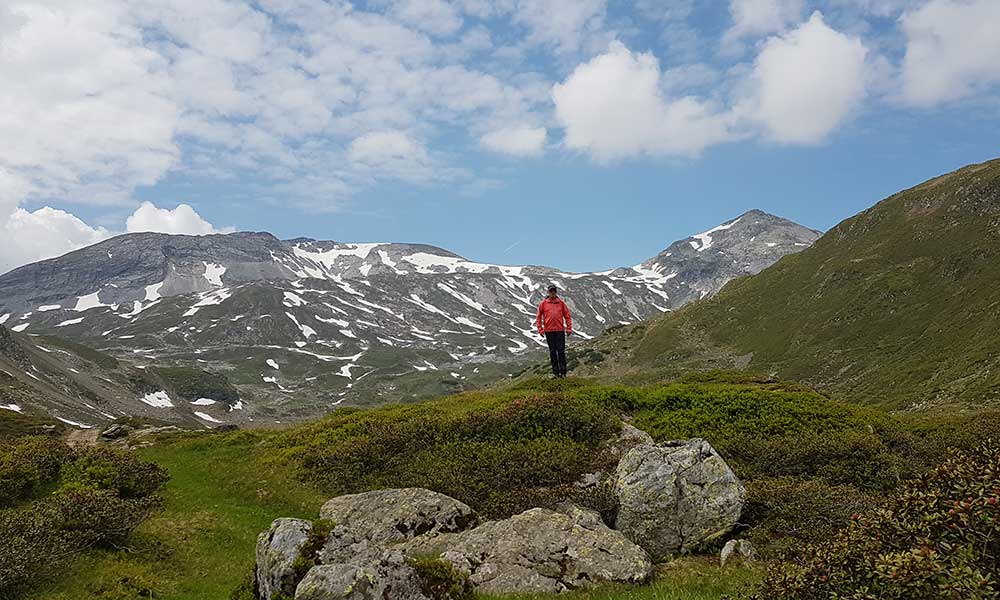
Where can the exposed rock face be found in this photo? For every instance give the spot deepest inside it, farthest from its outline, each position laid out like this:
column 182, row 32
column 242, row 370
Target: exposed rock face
column 277, row 549
column 541, row 551
column 629, row 437
column 675, row 496
column 389, row 516
column 388, row 578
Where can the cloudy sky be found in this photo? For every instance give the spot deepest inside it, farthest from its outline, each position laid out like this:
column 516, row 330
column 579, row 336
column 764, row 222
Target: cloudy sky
column 582, row 134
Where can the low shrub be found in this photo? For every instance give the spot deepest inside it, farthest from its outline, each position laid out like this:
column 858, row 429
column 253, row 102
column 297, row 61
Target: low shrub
column 937, row 537
column 501, row 454
column 27, row 464
column 99, row 496
column 440, row 580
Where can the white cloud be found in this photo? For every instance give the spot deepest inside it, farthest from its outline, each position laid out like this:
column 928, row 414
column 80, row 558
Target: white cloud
column 614, row 107
column 391, row 154
column 563, row 24
column 516, row 141
column 806, row 83
column 86, row 109
column 44, row 233
column 181, row 220
column 433, row 16
column 752, row 18
column 952, row 51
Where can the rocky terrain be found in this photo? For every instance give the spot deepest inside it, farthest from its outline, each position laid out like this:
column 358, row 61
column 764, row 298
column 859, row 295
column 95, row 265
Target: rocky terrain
column 674, row 497
column 300, row 326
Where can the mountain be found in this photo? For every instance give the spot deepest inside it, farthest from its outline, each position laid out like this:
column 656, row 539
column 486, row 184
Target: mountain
column 80, row 386
column 301, row 325
column 898, row 306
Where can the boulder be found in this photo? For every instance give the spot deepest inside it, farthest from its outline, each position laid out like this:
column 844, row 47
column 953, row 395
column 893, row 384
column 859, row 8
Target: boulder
column 277, row 549
column 540, row 551
column 116, row 431
column 675, row 496
column 388, row 578
column 738, row 551
column 629, row 437
column 365, row 524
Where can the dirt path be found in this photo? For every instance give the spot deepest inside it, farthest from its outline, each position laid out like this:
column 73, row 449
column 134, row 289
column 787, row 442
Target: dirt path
column 82, row 437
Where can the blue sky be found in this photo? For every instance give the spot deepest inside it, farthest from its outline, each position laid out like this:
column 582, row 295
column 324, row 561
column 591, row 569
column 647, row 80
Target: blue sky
column 581, row 134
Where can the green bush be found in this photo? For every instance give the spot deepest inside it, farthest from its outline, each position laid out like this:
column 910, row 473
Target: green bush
column 440, row 580
column 26, row 464
column 110, row 469
column 99, row 496
column 938, row 537
column 501, row 454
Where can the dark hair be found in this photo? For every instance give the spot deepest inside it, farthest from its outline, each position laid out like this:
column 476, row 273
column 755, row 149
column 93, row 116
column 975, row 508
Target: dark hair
column 553, row 288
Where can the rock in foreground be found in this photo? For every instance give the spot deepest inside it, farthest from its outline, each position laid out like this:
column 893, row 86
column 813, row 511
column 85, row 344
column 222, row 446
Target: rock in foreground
column 541, row 551
column 675, row 496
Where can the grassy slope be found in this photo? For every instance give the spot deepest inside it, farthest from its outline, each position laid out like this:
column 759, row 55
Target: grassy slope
column 898, row 305
column 226, row 488
column 822, row 456
column 219, row 498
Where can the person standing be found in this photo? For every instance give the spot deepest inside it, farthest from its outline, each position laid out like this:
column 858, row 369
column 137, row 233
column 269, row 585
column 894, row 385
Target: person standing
column 554, row 323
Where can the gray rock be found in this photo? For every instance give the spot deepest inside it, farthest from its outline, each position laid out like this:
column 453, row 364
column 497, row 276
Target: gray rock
column 277, row 549
column 675, row 496
column 629, row 437
column 738, row 551
column 540, row 551
column 388, row 578
column 388, row 516
column 116, row 431
column 334, row 582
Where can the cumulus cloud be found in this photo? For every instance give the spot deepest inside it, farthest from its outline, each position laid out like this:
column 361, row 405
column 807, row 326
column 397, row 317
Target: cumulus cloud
column 181, row 220
column 753, row 18
column 614, row 107
column 805, row 83
column 952, row 50
column 44, row 233
column 516, row 141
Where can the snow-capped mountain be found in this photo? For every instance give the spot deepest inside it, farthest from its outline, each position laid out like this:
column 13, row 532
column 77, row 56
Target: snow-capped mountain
column 302, row 325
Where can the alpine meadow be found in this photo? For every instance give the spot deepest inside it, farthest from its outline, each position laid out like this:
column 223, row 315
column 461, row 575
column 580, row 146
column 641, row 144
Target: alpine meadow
column 499, row 300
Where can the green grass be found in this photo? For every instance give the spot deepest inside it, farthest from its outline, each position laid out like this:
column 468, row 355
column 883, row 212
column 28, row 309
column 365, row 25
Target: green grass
column 504, row 451
column 219, row 498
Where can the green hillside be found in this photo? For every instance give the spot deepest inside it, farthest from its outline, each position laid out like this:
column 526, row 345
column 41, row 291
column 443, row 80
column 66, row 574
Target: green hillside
column 809, row 463
column 897, row 306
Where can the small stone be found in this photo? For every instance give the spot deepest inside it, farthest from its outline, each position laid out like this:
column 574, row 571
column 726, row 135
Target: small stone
column 738, row 551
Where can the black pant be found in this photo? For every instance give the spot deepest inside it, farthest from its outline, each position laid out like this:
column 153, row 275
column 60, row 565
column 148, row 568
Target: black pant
column 557, row 351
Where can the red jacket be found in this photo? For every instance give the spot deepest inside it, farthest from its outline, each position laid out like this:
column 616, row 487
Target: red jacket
column 551, row 313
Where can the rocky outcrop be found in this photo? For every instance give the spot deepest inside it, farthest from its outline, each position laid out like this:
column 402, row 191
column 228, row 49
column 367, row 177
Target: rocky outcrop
column 675, row 496
column 541, row 551
column 277, row 550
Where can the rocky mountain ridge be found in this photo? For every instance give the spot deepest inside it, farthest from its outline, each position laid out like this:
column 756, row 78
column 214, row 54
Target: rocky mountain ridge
column 300, row 326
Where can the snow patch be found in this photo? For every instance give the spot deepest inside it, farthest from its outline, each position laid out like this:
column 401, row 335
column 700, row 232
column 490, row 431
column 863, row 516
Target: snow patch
column 158, row 400
column 12, row 407
column 87, row 302
column 271, row 363
column 705, row 238
column 20, row 328
column 75, row 424
column 70, row 322
column 213, row 273
column 48, row 307
column 206, row 417
column 203, row 402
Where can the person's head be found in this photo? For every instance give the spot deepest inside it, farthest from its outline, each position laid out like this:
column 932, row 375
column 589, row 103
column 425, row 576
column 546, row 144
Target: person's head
column 553, row 291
